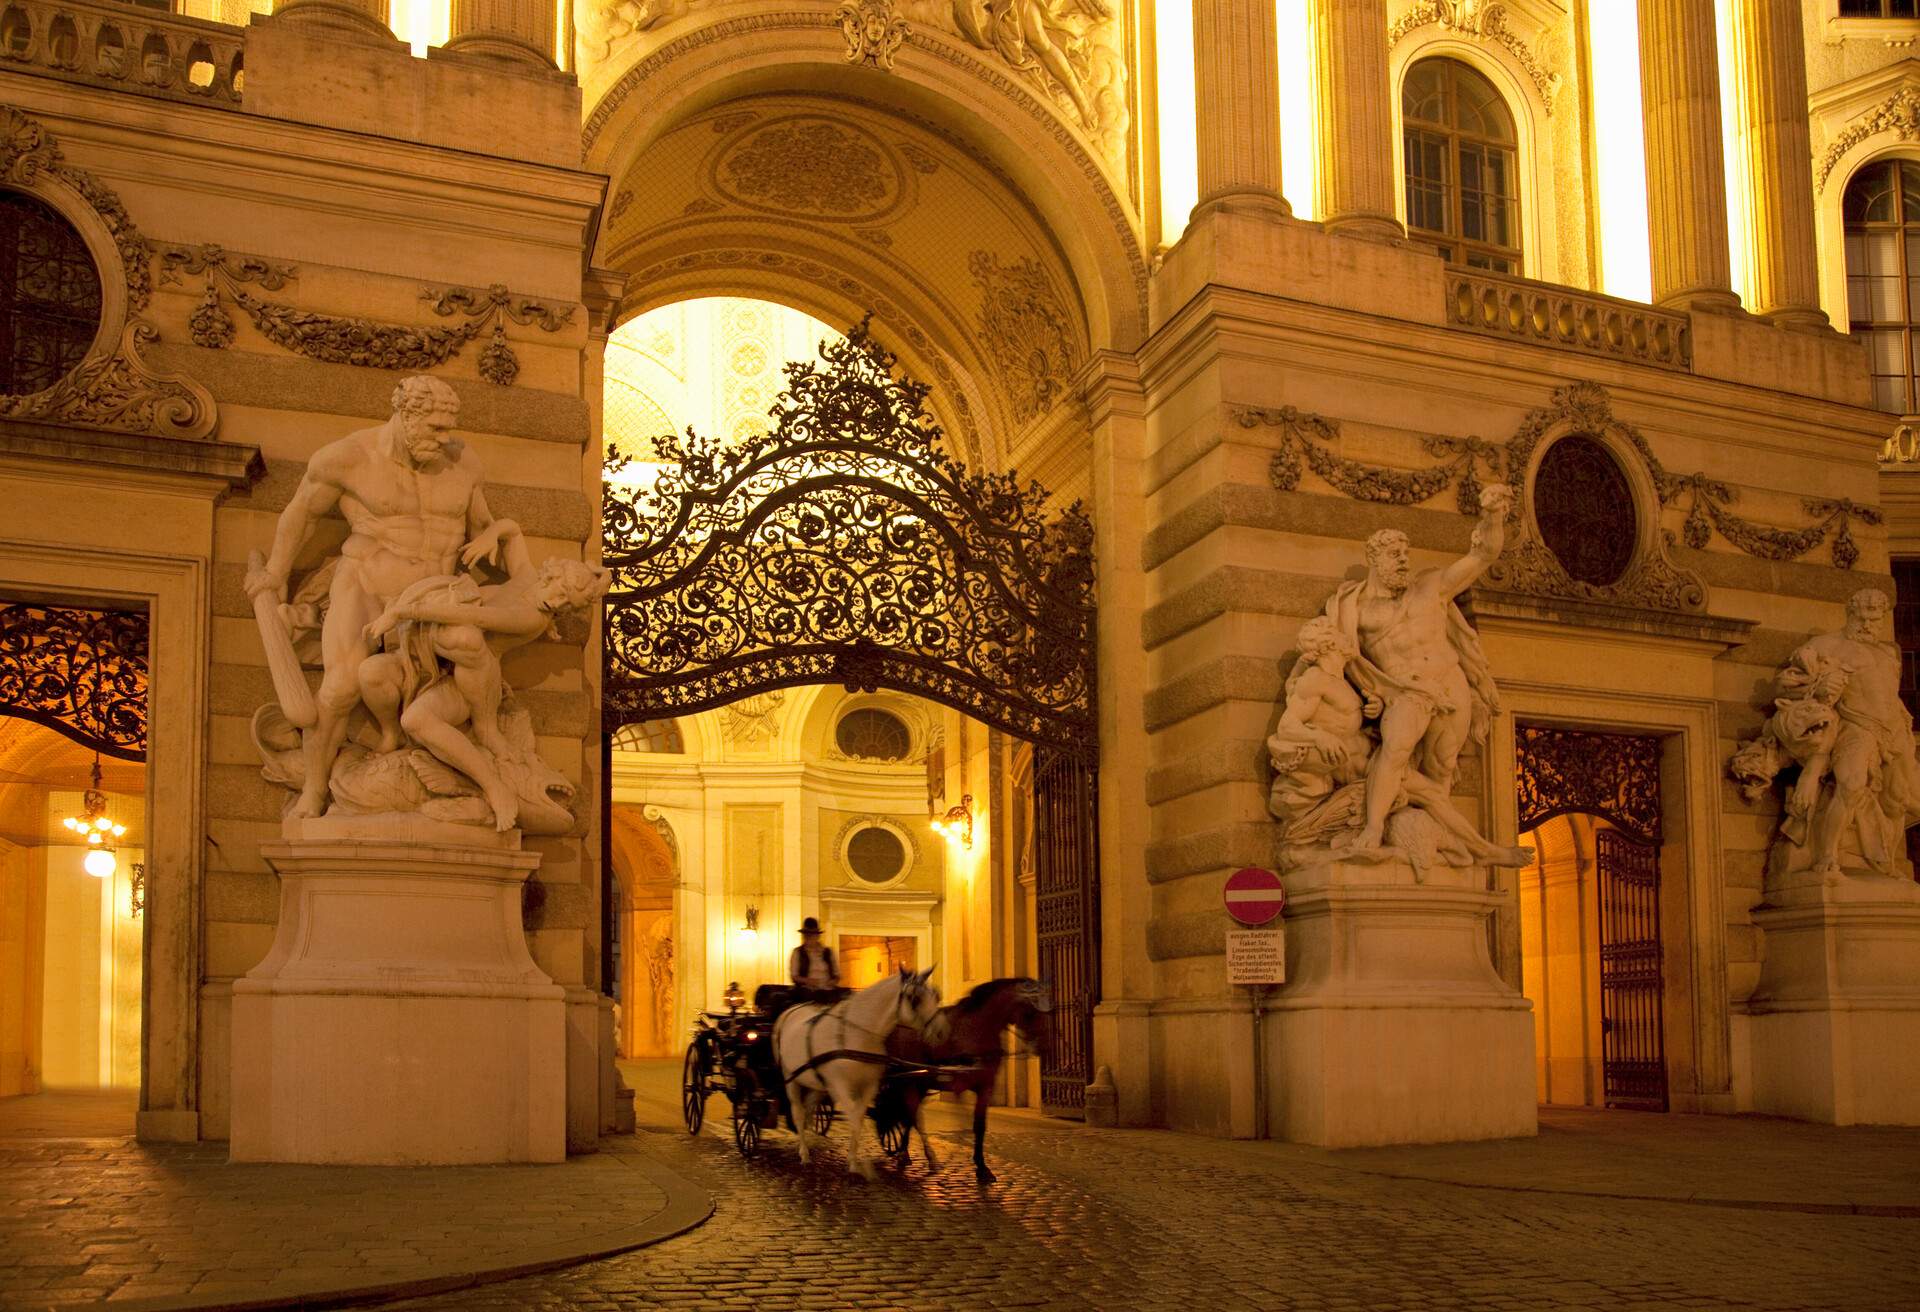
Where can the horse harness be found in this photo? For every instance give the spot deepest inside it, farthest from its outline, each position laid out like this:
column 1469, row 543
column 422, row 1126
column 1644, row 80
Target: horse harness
column 838, row 1054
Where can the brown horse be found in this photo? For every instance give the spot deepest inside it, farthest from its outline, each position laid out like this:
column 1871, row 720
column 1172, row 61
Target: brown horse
column 975, row 1024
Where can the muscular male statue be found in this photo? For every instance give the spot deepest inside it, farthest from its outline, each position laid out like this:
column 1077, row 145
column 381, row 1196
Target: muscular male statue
column 1857, row 672
column 1420, row 660
column 412, row 500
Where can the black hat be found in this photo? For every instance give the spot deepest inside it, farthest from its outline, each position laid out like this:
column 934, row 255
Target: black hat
column 809, row 926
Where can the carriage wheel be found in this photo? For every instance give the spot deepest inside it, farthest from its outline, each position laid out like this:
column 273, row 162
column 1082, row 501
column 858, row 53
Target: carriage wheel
column 693, row 1088
column 893, row 1138
column 823, row 1113
column 746, row 1126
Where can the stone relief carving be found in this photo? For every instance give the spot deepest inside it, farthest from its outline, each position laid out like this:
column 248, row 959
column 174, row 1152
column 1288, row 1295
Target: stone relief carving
column 873, row 33
column 408, row 624
column 753, row 721
column 1390, row 686
column 1075, row 50
column 1025, row 329
column 338, row 340
column 1899, row 114
column 811, row 165
column 1838, row 724
column 1308, row 439
column 607, row 25
column 114, row 388
column 1486, row 20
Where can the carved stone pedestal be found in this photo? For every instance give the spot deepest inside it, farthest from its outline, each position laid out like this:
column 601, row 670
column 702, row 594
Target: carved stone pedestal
column 398, row 1018
column 1393, row 1026
column 1836, row 1015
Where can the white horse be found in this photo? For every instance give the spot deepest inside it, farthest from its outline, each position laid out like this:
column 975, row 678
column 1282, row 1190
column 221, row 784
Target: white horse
column 841, row 1050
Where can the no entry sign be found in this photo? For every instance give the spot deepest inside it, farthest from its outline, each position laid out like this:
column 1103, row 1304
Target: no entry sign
column 1254, row 896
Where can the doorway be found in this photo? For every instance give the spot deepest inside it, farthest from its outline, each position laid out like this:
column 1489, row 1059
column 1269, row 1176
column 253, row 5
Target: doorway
column 869, row 958
column 1589, row 915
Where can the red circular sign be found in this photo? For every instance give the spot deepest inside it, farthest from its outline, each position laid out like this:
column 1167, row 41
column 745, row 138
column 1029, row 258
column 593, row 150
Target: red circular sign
column 1254, row 896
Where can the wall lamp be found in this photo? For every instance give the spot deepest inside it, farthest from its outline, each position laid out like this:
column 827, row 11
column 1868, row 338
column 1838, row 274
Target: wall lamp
column 957, row 823
column 750, row 932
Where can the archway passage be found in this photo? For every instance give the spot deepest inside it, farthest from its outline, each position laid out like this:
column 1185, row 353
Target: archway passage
column 1589, row 804
column 846, row 546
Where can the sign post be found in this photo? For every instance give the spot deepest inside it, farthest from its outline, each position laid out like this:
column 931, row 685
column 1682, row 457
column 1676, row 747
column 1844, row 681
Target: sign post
column 1256, row 960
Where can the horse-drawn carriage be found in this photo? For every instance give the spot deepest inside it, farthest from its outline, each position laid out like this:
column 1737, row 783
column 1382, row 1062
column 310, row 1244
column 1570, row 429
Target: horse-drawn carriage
column 883, row 1050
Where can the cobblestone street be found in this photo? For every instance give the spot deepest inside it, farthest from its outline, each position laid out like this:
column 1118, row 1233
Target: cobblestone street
column 1093, row 1219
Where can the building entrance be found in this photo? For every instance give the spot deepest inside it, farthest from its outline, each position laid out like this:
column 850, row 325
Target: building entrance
column 1589, row 914
column 846, row 547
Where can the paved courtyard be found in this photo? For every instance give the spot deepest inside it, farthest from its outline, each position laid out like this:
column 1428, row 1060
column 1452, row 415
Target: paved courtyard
column 1103, row 1219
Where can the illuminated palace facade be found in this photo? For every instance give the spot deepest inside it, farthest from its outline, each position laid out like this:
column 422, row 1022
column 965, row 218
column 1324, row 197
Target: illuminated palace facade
column 1248, row 279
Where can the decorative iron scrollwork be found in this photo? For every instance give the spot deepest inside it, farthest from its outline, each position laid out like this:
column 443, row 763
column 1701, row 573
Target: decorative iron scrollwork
column 1612, row 775
column 80, row 672
column 845, row 546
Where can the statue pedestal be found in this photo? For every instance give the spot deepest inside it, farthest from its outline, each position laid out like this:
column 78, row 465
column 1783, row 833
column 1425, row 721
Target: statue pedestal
column 1393, row 1026
column 1836, row 1015
column 398, row 1018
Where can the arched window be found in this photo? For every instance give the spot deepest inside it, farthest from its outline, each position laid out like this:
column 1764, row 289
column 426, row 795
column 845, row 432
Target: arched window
column 649, row 736
column 50, row 300
column 1462, row 159
column 1882, row 209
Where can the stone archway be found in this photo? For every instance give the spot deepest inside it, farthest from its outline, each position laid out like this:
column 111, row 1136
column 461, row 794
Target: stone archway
column 645, row 876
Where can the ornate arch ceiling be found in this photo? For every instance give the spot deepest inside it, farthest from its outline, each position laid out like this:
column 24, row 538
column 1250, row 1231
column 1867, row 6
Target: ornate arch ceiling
column 840, row 207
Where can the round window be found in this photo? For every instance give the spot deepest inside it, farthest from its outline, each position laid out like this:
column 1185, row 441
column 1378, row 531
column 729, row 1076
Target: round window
column 49, row 296
column 876, row 854
column 874, row 734
column 1584, row 508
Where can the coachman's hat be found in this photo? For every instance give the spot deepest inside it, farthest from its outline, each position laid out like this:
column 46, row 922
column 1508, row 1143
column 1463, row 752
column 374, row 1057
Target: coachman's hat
column 809, row 926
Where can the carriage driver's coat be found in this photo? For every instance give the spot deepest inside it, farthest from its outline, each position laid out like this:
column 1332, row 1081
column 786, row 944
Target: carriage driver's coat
column 840, row 1050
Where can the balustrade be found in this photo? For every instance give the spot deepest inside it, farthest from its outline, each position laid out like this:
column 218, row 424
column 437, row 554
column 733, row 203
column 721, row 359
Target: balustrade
column 127, row 47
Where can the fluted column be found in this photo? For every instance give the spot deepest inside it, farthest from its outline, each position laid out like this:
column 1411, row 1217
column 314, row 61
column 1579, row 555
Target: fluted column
column 360, row 18
column 1237, row 106
column 1356, row 118
column 1686, row 181
column 1771, row 56
column 518, row 30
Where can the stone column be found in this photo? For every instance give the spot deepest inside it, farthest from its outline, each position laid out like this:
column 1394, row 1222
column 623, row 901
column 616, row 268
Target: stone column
column 1686, row 181
column 1772, row 97
column 1356, row 118
column 518, row 30
column 357, row 18
column 1237, row 95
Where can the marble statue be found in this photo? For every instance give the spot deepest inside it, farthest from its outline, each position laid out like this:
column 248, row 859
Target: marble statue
column 412, row 714
column 1390, row 686
column 1838, row 718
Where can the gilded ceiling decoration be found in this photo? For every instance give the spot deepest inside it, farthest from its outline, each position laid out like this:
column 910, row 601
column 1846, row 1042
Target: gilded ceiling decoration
column 1653, row 580
column 1025, row 330
column 813, row 166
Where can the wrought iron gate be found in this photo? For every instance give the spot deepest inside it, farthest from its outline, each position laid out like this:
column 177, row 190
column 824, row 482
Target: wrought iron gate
column 80, row 672
column 846, row 546
column 1067, row 921
column 1632, row 1035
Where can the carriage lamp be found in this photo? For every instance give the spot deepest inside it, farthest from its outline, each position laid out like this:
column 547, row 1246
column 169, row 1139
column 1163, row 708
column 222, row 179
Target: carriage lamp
column 957, row 823
column 750, row 931
column 93, row 825
column 734, row 997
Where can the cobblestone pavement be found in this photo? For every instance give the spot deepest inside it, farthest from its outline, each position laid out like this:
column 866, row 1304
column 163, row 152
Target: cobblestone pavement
column 82, row 1220
column 1087, row 1219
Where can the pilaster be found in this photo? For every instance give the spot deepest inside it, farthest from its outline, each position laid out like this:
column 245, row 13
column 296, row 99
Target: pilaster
column 1237, row 93
column 1356, row 118
column 1770, row 53
column 1686, row 182
column 522, row 31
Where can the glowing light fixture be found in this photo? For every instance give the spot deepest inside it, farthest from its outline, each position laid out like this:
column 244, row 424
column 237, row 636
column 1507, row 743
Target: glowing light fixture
column 1179, row 120
column 735, row 997
column 957, row 823
column 750, row 932
column 1620, row 151
column 98, row 831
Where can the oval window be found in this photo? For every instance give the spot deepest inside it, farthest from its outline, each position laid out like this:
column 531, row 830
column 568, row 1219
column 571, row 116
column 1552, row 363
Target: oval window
column 876, row 854
column 873, row 734
column 1584, row 508
column 50, row 300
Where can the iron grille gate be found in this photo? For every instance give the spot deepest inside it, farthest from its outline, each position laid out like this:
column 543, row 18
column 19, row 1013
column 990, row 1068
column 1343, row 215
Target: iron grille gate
column 1067, row 922
column 1632, row 1035
column 845, row 546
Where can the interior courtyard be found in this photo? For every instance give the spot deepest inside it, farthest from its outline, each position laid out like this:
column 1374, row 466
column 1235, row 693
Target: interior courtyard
column 881, row 653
